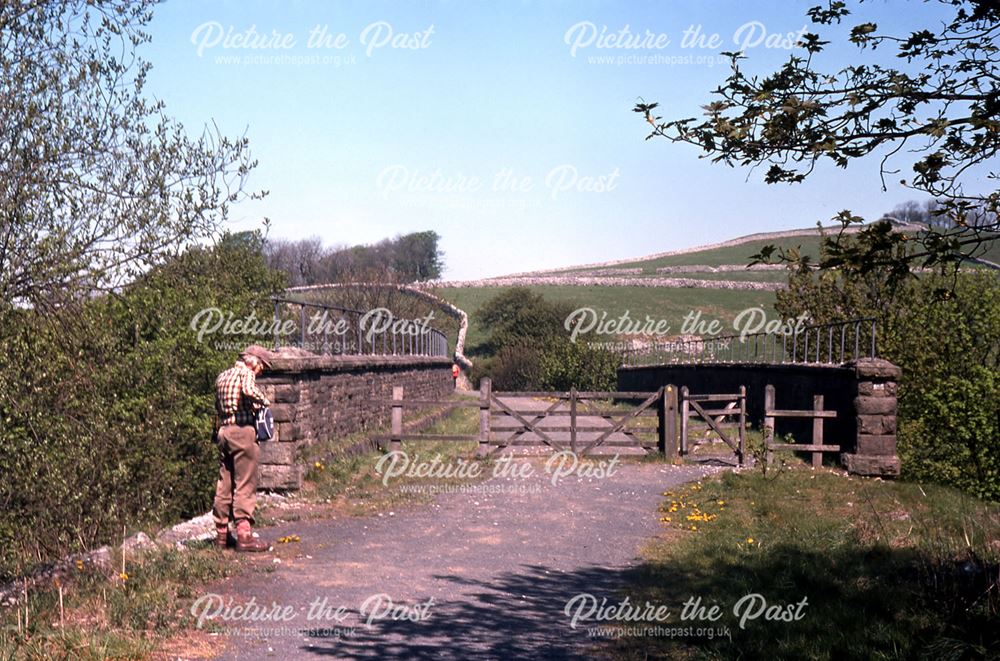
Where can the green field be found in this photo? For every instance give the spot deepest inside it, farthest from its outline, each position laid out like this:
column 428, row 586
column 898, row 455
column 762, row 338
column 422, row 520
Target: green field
column 729, row 255
column 740, row 254
column 666, row 303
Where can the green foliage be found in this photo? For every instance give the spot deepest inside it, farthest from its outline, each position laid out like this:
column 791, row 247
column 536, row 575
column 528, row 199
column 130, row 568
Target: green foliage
column 108, row 404
column 579, row 365
column 952, row 437
column 404, row 258
column 935, row 106
column 944, row 332
column 891, row 570
column 98, row 182
column 517, row 316
column 529, row 348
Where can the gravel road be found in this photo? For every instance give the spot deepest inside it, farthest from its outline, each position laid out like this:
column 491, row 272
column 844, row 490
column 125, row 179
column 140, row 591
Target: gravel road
column 484, row 573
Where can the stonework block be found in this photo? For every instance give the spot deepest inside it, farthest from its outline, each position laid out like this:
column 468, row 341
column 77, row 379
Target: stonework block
column 875, row 369
column 877, row 388
column 288, row 431
column 871, row 444
column 871, row 465
column 874, row 424
column 875, row 405
column 283, row 412
column 280, row 478
column 286, row 394
column 277, row 453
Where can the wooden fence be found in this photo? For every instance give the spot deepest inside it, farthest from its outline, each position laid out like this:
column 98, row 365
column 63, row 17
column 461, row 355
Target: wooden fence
column 817, row 447
column 673, row 410
column 733, row 405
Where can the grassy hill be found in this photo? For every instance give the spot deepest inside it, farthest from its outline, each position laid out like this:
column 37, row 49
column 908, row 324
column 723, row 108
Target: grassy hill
column 670, row 303
column 658, row 302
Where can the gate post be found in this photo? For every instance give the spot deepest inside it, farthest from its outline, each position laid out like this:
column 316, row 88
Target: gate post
column 396, row 439
column 817, row 457
column 668, row 422
column 768, row 424
column 684, row 419
column 572, row 420
column 743, row 426
column 485, row 392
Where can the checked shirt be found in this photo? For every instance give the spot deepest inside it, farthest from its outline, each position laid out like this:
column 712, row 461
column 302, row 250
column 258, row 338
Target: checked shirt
column 237, row 396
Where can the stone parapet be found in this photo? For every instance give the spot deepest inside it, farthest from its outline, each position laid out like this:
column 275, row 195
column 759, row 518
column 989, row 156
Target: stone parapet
column 318, row 398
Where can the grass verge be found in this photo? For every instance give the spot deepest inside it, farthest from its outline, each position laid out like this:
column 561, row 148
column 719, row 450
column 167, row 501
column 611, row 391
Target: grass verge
column 86, row 614
column 888, row 570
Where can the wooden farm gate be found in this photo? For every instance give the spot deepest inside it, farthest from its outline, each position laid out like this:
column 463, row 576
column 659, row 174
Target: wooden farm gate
column 698, row 408
column 580, row 422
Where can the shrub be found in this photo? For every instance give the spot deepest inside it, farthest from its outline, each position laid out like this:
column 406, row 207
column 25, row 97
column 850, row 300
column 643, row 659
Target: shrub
column 529, row 348
column 107, row 404
column 944, row 333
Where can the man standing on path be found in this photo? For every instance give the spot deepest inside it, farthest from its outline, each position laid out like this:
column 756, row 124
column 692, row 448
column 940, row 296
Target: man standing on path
column 237, row 398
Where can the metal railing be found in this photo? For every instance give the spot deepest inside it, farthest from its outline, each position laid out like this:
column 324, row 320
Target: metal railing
column 329, row 329
column 822, row 344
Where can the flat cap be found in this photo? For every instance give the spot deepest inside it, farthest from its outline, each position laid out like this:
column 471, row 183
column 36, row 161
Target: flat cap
column 260, row 352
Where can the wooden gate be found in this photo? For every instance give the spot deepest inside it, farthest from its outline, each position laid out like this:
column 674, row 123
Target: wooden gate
column 575, row 421
column 580, row 422
column 733, row 405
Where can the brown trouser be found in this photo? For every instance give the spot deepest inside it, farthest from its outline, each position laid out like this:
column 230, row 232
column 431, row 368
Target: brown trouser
column 236, row 492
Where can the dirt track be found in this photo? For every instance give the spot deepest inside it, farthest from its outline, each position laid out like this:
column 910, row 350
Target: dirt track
column 485, row 574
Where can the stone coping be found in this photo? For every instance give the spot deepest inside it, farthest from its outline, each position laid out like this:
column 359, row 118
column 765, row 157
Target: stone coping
column 283, row 364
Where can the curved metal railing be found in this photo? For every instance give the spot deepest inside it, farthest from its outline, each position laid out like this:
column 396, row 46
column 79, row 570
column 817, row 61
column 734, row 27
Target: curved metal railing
column 822, row 344
column 333, row 330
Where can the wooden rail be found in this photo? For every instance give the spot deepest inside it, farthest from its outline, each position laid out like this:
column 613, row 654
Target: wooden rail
column 817, row 447
column 661, row 404
column 691, row 408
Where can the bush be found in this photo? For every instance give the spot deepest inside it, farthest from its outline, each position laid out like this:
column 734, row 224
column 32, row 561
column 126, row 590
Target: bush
column 529, row 348
column 945, row 334
column 107, row 404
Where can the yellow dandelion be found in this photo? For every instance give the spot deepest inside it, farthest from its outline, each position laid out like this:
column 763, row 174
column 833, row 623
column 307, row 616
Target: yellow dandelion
column 720, row 503
column 749, row 540
column 123, row 576
column 694, row 528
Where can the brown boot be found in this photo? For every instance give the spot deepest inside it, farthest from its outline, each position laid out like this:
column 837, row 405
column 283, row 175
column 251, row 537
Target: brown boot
column 246, row 542
column 222, row 537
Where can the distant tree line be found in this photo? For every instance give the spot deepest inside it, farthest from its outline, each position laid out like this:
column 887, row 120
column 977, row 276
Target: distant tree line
column 933, row 214
column 405, row 258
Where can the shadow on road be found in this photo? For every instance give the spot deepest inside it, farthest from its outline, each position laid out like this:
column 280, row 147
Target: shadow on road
column 517, row 616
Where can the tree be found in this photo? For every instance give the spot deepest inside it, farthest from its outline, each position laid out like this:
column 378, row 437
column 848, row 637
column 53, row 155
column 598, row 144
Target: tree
column 943, row 106
column 517, row 316
column 97, row 183
column 949, row 350
column 417, row 256
column 402, row 259
column 530, row 347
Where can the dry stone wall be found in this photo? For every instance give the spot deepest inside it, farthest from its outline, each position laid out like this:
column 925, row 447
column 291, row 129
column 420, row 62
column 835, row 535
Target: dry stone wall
column 316, row 398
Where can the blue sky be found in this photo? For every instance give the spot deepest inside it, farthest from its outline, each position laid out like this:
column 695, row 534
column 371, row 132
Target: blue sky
column 481, row 121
